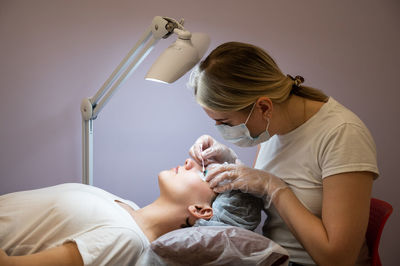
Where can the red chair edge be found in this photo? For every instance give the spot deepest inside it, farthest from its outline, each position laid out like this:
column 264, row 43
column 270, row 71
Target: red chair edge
column 379, row 213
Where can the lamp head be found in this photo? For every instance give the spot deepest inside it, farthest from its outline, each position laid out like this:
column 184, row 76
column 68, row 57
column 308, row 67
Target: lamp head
column 179, row 57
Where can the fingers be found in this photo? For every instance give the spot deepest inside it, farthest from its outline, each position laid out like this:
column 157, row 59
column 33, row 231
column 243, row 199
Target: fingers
column 236, row 184
column 221, row 174
column 207, row 141
column 213, row 153
column 202, row 144
column 210, row 161
column 209, row 154
column 223, row 178
column 238, row 162
column 195, row 154
column 214, row 171
column 224, row 188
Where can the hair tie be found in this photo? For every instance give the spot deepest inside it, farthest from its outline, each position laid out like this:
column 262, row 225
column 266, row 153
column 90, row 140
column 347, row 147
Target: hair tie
column 297, row 80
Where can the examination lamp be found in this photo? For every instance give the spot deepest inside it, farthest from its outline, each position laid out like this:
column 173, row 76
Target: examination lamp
column 173, row 63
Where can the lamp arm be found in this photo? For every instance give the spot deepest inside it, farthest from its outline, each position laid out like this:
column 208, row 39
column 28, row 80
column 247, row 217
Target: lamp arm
column 124, row 76
column 159, row 28
column 117, row 72
column 90, row 107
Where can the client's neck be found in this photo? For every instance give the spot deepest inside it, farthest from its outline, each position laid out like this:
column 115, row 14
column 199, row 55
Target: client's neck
column 160, row 217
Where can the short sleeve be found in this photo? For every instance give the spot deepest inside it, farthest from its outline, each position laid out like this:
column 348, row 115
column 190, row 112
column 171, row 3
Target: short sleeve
column 349, row 148
column 109, row 246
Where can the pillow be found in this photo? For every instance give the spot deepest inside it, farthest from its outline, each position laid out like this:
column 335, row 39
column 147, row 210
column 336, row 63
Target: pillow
column 213, row 245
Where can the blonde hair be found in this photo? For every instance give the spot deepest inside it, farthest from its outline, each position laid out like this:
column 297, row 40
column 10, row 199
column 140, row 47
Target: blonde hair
column 234, row 75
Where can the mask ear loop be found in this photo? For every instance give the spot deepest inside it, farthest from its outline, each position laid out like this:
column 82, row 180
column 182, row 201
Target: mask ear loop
column 251, row 111
column 268, row 120
column 266, row 129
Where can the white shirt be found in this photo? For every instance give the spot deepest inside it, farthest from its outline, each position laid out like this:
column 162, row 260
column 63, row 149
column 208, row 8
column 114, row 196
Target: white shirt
column 332, row 141
column 105, row 233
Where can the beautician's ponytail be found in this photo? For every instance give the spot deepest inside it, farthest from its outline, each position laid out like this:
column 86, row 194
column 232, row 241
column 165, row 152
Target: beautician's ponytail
column 235, row 75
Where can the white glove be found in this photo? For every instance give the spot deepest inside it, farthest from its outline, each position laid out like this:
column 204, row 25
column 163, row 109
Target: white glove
column 227, row 177
column 211, row 151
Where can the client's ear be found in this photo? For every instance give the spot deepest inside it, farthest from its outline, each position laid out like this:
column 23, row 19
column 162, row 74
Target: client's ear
column 200, row 211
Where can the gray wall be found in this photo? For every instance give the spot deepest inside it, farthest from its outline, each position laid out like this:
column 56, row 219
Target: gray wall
column 54, row 53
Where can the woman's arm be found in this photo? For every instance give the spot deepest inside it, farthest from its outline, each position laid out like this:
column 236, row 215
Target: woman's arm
column 64, row 255
column 335, row 239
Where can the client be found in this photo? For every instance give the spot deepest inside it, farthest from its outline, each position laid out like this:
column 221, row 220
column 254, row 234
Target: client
column 76, row 224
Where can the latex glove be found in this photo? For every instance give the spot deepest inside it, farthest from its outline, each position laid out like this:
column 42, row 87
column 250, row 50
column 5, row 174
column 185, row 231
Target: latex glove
column 260, row 183
column 211, row 151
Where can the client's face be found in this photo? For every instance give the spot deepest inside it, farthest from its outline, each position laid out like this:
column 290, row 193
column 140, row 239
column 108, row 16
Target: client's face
column 184, row 184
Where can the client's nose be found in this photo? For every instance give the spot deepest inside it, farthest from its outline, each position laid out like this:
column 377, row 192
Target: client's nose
column 190, row 164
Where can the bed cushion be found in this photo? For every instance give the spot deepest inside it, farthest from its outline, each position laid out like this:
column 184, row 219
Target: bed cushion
column 214, row 245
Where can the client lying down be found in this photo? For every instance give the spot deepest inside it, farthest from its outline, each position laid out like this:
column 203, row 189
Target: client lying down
column 76, row 224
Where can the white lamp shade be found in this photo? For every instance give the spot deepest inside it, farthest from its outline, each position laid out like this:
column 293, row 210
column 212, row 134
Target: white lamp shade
column 179, row 58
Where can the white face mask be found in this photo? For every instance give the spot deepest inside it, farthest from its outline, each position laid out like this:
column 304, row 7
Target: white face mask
column 240, row 134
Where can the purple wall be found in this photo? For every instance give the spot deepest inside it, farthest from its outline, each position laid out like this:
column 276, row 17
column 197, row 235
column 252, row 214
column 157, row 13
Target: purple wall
column 54, row 53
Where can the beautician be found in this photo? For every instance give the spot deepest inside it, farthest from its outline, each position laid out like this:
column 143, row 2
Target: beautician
column 316, row 160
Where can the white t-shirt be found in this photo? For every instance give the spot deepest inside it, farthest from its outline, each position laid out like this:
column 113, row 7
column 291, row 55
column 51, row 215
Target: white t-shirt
column 332, row 141
column 105, row 233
